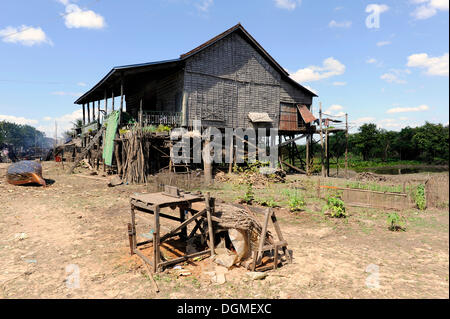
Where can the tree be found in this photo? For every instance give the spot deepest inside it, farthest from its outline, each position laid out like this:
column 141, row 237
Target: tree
column 386, row 141
column 366, row 140
column 432, row 142
column 337, row 146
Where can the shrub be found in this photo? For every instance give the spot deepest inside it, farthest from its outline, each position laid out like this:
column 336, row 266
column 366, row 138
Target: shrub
column 419, row 197
column 249, row 195
column 335, row 207
column 267, row 202
column 296, row 201
column 395, row 222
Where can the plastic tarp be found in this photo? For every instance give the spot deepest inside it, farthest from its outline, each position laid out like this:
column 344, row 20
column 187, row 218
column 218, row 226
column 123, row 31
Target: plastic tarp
column 25, row 172
column 108, row 142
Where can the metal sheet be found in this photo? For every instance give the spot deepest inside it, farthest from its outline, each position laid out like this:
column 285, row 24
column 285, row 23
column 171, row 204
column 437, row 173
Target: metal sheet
column 307, row 116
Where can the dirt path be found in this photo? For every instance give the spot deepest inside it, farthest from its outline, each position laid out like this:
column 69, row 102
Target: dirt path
column 80, row 223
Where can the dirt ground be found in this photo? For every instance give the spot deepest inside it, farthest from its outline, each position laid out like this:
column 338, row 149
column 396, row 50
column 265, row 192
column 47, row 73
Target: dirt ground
column 81, row 224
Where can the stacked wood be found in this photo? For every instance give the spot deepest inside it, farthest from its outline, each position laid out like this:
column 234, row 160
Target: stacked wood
column 135, row 166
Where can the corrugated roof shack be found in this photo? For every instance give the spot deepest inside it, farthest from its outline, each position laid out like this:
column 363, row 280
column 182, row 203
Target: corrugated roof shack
column 220, row 82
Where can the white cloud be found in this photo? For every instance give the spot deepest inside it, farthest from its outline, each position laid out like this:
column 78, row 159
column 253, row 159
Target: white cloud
column 395, row 76
column 25, row 35
column 371, row 61
column 204, row 5
column 433, row 65
column 338, row 83
column 383, row 43
column 343, row 24
column 64, row 123
column 331, row 67
column 287, row 4
column 392, row 78
column 363, row 120
column 81, row 84
column 335, row 110
column 419, row 108
column 75, row 17
column 429, row 8
column 16, row 119
column 63, row 93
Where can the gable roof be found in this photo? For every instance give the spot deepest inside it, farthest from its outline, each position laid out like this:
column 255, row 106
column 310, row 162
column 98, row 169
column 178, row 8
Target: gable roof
column 143, row 67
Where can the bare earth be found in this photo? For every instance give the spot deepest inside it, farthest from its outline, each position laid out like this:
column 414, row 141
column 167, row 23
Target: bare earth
column 83, row 222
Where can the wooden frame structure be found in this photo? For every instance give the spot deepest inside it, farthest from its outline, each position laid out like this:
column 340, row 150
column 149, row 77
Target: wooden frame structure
column 275, row 247
column 152, row 204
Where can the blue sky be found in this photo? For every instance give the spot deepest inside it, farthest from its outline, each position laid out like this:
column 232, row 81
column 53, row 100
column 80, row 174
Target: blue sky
column 392, row 71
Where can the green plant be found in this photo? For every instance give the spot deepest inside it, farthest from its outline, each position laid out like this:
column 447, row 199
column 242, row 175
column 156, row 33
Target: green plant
column 267, row 202
column 395, row 222
column 296, row 201
column 335, row 207
column 249, row 195
column 163, row 128
column 419, row 197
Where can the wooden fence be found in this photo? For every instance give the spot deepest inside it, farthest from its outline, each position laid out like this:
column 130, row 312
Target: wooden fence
column 368, row 198
column 437, row 191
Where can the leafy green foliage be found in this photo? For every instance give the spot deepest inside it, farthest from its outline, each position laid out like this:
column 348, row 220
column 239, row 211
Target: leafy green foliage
column 268, row 202
column 395, row 222
column 21, row 135
column 419, row 197
column 249, row 196
column 296, row 201
column 335, row 207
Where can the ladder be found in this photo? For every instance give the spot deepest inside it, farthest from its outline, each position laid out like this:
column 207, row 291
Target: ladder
column 84, row 152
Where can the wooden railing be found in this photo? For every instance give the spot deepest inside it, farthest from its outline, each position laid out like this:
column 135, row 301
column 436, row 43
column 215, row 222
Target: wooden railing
column 159, row 117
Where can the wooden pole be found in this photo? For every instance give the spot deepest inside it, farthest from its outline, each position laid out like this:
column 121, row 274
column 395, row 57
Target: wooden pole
column 98, row 111
column 106, row 103
column 121, row 95
column 307, row 154
column 140, row 113
column 321, row 139
column 84, row 115
column 210, row 228
column 207, row 161
column 327, row 152
column 112, row 97
column 230, row 165
column 93, row 111
column 88, row 112
column 346, row 145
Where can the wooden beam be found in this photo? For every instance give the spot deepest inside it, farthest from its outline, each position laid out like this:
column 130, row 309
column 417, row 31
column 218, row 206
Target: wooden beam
column 321, row 140
column 182, row 225
column 121, row 95
column 291, row 140
column 112, row 97
column 294, row 167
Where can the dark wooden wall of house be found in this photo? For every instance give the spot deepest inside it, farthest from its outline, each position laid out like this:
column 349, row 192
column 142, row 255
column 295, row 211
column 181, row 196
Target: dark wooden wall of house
column 229, row 79
column 159, row 92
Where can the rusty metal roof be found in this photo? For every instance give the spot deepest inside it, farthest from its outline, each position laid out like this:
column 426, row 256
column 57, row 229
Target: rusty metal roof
column 307, row 116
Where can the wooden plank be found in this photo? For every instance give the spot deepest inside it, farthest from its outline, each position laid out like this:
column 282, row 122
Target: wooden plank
column 184, row 224
column 183, row 258
column 256, row 259
column 210, row 228
column 294, row 167
column 291, row 140
column 156, row 252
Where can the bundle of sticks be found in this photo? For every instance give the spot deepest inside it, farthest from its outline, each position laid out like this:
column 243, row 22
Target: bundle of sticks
column 232, row 217
column 135, row 166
